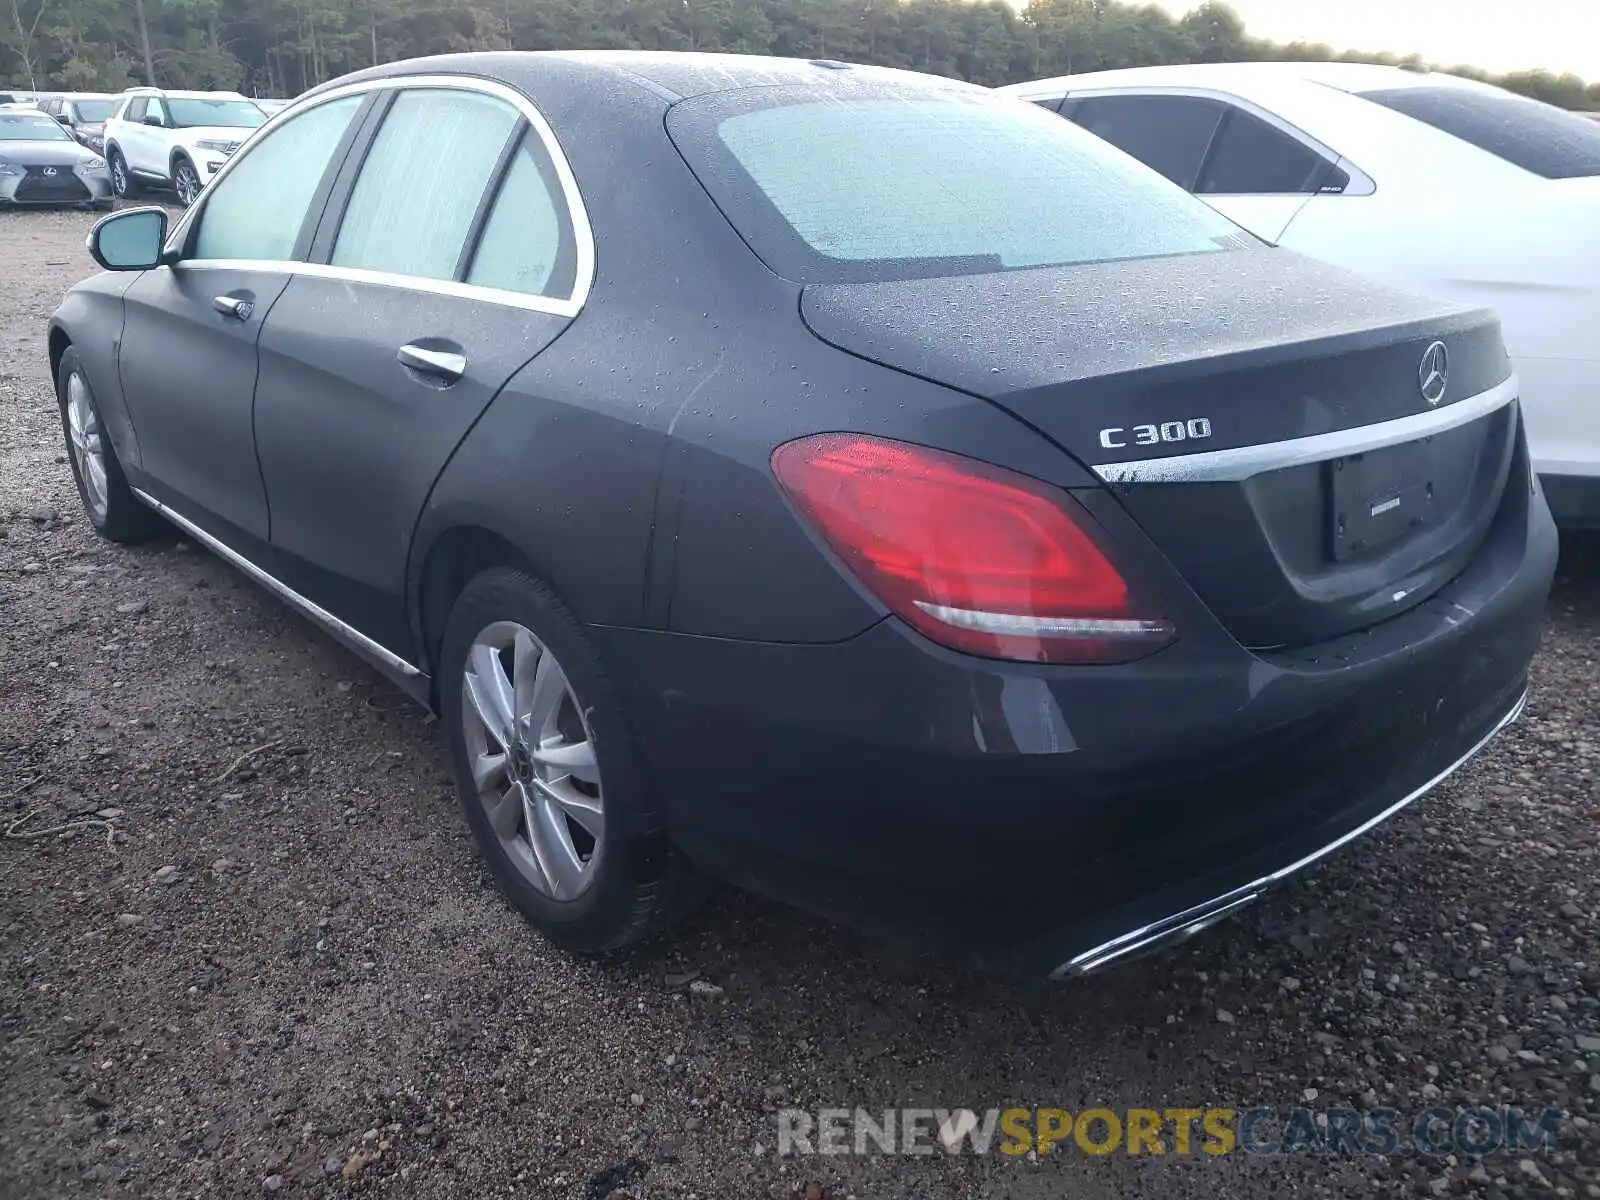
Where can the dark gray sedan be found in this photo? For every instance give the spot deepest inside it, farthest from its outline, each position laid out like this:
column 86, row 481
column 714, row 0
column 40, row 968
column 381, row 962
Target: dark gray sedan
column 41, row 163
column 852, row 484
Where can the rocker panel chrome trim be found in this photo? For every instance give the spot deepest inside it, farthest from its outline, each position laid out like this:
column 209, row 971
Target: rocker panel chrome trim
column 415, row 682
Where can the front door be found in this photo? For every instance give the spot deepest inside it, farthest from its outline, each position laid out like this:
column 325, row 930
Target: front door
column 188, row 368
column 189, row 346
column 453, row 265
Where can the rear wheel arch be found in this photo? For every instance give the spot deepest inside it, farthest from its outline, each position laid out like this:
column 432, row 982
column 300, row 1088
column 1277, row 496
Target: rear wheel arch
column 454, row 557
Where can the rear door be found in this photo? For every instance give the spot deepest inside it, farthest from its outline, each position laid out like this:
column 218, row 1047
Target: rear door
column 188, row 354
column 1243, row 163
column 452, row 253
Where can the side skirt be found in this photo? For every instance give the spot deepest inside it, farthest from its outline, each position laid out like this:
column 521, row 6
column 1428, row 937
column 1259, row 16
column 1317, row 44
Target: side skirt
column 414, row 682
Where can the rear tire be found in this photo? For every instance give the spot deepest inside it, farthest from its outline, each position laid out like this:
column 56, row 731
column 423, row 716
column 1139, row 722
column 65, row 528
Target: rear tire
column 632, row 882
column 122, row 180
column 108, row 502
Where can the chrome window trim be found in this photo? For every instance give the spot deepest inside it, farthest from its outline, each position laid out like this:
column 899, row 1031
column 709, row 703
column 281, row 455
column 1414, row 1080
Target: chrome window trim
column 1361, row 184
column 1231, row 466
column 414, row 681
column 578, row 215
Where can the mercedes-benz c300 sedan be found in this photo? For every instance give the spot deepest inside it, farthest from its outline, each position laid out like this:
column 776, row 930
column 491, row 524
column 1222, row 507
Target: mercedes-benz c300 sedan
column 848, row 483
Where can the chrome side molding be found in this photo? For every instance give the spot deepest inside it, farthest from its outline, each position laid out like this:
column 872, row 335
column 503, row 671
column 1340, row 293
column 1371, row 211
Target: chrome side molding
column 1190, row 921
column 414, row 682
column 1231, row 466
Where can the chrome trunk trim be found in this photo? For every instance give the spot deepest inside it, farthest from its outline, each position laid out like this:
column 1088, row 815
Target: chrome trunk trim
column 1231, row 466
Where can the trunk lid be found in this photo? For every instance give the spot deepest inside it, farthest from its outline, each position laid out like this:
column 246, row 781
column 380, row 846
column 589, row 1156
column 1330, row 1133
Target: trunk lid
column 1229, row 400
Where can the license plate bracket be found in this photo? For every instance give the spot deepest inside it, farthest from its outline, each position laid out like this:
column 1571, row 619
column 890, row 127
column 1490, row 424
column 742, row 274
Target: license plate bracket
column 1379, row 497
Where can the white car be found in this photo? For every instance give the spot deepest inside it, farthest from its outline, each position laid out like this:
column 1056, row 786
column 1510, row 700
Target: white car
column 1430, row 182
column 176, row 140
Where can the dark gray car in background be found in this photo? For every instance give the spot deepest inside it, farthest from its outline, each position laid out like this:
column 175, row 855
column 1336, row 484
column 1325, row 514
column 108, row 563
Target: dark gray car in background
column 848, row 483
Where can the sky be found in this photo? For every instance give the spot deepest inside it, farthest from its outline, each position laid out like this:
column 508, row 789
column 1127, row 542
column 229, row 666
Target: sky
column 1560, row 35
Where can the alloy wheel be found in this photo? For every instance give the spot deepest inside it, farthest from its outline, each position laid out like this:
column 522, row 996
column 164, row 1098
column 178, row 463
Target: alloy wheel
column 188, row 184
column 87, row 450
column 533, row 760
column 119, row 175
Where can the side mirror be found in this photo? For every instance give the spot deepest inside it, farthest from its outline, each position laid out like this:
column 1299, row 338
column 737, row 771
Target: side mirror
column 154, row 120
column 130, row 240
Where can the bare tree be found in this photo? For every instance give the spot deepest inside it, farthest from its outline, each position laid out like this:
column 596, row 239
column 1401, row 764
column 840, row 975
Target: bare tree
column 25, row 35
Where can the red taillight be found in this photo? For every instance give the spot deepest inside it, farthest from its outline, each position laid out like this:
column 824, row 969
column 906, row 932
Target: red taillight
column 974, row 556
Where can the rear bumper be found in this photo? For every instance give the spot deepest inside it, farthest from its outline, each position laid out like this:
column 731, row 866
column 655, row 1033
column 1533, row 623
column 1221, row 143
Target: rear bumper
column 1051, row 819
column 1177, row 926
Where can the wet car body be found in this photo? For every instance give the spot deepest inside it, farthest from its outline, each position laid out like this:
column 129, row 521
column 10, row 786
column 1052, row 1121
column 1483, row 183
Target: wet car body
column 1317, row 661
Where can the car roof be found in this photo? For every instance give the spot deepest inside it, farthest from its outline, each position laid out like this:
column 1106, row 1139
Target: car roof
column 671, row 75
column 1344, row 76
column 181, row 94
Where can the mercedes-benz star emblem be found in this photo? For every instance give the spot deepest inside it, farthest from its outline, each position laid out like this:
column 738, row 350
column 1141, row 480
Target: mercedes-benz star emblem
column 1433, row 376
column 49, row 170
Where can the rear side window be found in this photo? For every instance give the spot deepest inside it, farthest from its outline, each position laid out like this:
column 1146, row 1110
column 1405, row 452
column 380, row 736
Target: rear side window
column 1527, row 133
column 413, row 206
column 135, row 110
column 875, row 182
column 1169, row 133
column 1252, row 158
column 255, row 211
column 527, row 243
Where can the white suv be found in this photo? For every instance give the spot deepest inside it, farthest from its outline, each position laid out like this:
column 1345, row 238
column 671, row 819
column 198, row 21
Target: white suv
column 175, row 140
column 1439, row 185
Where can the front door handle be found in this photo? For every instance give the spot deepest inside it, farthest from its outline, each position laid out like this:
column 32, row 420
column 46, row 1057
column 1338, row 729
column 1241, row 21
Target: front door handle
column 448, row 365
column 239, row 307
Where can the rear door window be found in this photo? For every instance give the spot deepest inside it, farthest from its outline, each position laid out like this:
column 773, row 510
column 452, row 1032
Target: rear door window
column 527, row 244
column 135, row 110
column 413, row 206
column 1169, row 133
column 1529, row 134
column 1253, row 158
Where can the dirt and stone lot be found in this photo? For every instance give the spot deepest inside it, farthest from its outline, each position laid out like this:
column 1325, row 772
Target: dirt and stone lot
column 287, row 973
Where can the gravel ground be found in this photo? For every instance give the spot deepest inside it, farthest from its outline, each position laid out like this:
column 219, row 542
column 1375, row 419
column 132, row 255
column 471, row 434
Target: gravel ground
column 286, row 972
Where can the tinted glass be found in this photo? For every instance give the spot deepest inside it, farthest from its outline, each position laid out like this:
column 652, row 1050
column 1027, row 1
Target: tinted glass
column 1534, row 136
column 527, row 243
column 424, row 177
column 1168, row 133
column 874, row 182
column 1253, row 158
column 93, row 110
column 256, row 210
column 228, row 114
column 31, row 127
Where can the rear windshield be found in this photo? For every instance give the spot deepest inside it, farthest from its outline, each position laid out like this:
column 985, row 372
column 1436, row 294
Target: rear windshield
column 869, row 184
column 1537, row 137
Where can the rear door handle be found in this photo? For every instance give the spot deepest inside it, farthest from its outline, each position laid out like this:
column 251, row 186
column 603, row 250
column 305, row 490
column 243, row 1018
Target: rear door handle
column 448, row 365
column 239, row 307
